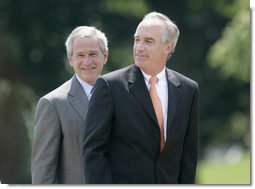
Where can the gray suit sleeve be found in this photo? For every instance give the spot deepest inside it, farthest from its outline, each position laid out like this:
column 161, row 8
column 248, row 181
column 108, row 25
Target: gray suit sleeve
column 45, row 149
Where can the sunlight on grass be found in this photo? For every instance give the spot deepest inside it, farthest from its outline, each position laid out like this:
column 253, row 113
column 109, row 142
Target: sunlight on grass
column 224, row 172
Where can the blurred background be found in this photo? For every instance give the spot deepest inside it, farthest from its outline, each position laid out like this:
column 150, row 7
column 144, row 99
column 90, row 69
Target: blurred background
column 213, row 49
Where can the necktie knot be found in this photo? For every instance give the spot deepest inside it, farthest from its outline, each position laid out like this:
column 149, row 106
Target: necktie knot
column 153, row 80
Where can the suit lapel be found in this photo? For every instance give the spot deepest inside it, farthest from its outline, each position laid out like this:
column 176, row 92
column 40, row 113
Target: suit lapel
column 174, row 94
column 138, row 88
column 78, row 98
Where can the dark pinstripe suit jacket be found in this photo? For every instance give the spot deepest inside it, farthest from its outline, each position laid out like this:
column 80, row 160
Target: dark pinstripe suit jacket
column 122, row 137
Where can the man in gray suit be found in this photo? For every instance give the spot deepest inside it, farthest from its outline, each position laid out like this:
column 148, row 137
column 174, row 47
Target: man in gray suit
column 61, row 114
column 140, row 131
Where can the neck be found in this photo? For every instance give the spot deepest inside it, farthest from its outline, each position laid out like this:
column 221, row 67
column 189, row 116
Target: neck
column 152, row 72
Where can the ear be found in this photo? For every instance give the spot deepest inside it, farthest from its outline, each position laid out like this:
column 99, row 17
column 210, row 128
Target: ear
column 70, row 60
column 169, row 47
column 106, row 56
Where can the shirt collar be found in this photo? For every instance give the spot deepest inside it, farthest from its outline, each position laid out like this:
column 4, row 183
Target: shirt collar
column 86, row 87
column 161, row 76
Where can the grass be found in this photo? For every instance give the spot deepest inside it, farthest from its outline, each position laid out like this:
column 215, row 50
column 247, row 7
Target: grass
column 225, row 173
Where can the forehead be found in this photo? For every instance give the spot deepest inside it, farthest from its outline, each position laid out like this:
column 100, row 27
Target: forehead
column 149, row 28
column 90, row 42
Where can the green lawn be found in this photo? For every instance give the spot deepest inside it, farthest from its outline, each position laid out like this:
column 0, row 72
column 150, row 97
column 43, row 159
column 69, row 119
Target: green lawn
column 224, row 173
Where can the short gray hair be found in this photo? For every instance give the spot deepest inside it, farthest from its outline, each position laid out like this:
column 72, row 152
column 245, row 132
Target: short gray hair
column 86, row 31
column 170, row 33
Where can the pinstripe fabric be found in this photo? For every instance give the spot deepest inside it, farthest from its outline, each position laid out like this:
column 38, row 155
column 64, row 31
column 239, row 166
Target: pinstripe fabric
column 122, row 137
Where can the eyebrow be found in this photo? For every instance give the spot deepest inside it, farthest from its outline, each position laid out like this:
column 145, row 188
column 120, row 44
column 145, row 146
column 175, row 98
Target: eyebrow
column 91, row 51
column 146, row 38
column 94, row 51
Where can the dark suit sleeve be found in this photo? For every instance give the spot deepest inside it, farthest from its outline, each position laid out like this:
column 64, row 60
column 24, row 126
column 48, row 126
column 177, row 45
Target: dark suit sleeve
column 45, row 150
column 190, row 146
column 97, row 135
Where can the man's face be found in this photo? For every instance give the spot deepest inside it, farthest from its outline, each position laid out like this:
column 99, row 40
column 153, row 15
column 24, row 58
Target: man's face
column 150, row 54
column 87, row 59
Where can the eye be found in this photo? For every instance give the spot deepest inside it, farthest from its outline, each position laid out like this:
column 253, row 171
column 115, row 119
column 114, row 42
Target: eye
column 136, row 40
column 79, row 55
column 93, row 54
column 149, row 41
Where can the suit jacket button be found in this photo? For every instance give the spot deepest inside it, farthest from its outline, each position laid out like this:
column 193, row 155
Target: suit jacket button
column 156, row 136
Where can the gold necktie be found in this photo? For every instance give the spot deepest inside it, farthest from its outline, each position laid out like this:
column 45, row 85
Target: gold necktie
column 158, row 109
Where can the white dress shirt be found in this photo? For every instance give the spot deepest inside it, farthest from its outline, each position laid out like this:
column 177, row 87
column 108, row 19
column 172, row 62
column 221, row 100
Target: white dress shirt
column 86, row 87
column 162, row 91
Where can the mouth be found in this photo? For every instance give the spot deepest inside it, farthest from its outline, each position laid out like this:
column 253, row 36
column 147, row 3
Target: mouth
column 88, row 68
column 140, row 56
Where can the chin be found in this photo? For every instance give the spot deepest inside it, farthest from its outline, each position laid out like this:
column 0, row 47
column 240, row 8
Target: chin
column 139, row 63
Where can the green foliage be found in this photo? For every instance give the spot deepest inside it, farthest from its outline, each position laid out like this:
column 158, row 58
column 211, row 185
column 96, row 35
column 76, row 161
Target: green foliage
column 231, row 53
column 229, row 64
column 16, row 115
column 230, row 8
column 136, row 8
column 239, row 123
column 33, row 61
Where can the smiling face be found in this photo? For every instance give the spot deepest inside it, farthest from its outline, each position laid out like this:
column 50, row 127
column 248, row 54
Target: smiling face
column 150, row 54
column 87, row 58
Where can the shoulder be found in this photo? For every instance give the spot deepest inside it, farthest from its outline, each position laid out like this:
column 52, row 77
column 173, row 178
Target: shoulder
column 118, row 74
column 60, row 92
column 182, row 79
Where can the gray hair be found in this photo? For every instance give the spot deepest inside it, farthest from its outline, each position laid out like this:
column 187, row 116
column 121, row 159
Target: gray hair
column 170, row 32
column 86, row 31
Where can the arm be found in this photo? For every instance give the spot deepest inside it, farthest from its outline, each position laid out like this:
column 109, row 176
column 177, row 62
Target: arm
column 97, row 135
column 190, row 146
column 45, row 150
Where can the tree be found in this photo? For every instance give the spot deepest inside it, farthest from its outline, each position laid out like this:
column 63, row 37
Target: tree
column 33, row 59
column 230, row 57
column 231, row 53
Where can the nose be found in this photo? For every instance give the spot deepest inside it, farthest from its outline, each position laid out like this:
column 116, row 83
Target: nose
column 86, row 60
column 139, row 46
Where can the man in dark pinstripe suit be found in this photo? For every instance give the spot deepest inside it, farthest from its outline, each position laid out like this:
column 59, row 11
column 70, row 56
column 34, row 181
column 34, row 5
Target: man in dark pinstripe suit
column 122, row 134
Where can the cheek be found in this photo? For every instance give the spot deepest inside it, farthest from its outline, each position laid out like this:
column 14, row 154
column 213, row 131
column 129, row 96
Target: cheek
column 100, row 66
column 100, row 62
column 73, row 64
column 157, row 54
column 71, row 61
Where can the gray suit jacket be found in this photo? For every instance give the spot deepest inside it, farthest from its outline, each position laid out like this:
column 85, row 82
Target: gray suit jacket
column 122, row 136
column 58, row 135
